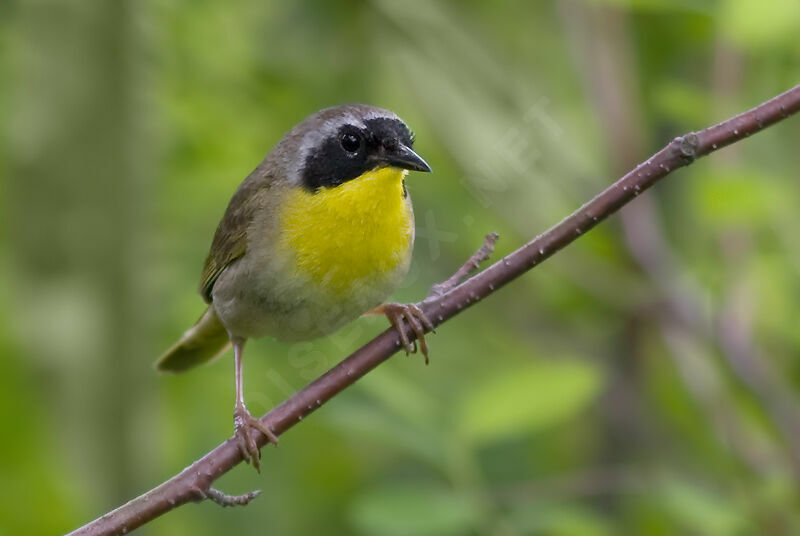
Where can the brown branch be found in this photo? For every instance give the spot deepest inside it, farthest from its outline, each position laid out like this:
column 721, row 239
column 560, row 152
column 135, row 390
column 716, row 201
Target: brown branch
column 604, row 37
column 194, row 482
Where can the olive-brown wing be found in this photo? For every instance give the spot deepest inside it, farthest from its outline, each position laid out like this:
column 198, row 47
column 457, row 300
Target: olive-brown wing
column 230, row 240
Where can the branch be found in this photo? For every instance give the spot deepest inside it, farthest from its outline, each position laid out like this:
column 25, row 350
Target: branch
column 194, row 482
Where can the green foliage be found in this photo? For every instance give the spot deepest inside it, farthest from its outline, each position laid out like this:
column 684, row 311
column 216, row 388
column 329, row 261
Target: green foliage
column 699, row 511
column 756, row 25
column 527, row 399
column 560, row 520
column 416, row 508
column 617, row 389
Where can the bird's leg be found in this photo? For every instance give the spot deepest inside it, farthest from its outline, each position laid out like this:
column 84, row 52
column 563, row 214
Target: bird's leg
column 245, row 424
column 400, row 313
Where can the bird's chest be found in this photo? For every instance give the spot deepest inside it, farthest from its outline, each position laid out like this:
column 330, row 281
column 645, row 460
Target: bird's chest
column 350, row 241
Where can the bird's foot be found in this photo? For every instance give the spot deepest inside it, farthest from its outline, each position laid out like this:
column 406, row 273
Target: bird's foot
column 401, row 313
column 246, row 428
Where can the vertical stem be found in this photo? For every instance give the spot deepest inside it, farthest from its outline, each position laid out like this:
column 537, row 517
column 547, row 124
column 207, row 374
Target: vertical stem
column 78, row 193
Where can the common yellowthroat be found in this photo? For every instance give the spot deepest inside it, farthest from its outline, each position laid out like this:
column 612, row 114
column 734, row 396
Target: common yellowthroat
column 318, row 234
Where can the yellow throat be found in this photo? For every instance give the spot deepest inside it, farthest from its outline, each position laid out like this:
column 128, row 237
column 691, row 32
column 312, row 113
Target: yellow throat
column 352, row 234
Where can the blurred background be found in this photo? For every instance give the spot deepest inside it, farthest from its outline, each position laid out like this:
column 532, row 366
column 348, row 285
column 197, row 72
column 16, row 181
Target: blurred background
column 643, row 381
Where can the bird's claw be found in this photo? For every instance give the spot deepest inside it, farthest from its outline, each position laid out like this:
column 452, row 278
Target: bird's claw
column 397, row 313
column 244, row 427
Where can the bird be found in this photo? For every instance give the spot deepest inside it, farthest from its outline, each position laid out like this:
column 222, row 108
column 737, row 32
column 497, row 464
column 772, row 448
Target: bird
column 320, row 233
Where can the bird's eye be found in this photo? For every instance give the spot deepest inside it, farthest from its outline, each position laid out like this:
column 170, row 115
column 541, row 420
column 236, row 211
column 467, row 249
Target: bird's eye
column 350, row 142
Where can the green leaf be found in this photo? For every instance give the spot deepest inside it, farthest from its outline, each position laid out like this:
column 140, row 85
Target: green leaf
column 567, row 519
column 765, row 24
column 415, row 509
column 700, row 510
column 519, row 401
column 682, row 101
column 736, row 198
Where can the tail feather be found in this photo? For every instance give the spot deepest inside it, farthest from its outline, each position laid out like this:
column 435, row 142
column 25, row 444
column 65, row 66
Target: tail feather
column 203, row 342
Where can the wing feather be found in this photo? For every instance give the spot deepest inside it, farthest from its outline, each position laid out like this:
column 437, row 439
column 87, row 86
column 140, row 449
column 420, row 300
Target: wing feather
column 230, row 239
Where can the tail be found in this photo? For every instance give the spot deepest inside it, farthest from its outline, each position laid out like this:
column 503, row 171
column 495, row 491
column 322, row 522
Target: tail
column 204, row 342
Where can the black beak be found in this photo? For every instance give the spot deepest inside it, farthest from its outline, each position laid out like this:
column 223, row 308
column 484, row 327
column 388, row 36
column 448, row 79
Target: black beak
column 404, row 158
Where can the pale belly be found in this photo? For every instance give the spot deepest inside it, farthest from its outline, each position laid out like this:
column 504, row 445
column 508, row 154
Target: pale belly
column 293, row 309
column 336, row 255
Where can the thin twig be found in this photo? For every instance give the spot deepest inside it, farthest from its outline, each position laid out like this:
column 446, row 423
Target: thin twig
column 196, row 479
column 467, row 269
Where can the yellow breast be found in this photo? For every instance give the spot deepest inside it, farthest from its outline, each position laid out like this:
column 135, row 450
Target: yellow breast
column 350, row 235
